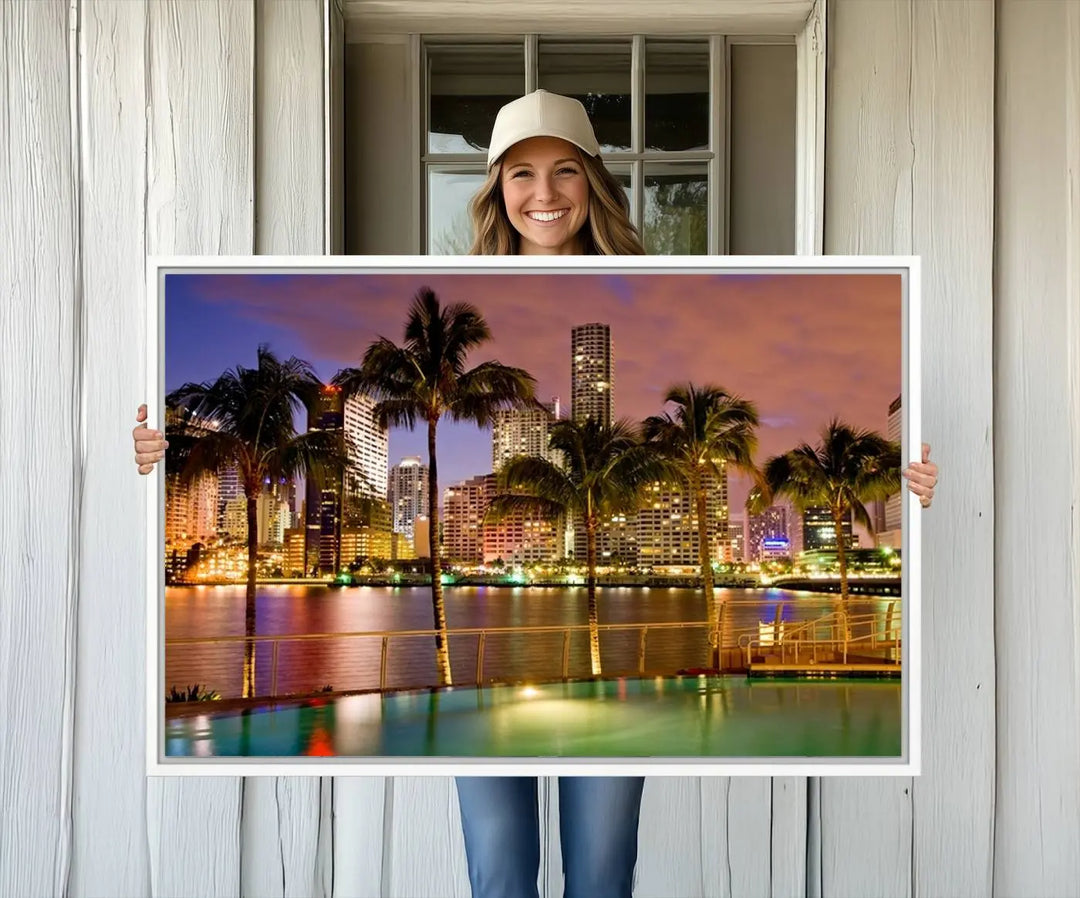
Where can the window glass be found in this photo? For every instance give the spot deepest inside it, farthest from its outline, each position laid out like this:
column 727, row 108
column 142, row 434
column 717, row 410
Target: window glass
column 449, row 227
column 597, row 74
column 676, row 95
column 468, row 83
column 676, row 209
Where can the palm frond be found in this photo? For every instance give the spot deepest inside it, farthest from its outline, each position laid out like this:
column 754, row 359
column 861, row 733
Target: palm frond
column 506, row 504
column 488, row 388
column 318, row 454
column 538, row 477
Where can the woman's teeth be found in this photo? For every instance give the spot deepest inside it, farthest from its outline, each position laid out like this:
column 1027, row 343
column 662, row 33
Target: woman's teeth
column 546, row 216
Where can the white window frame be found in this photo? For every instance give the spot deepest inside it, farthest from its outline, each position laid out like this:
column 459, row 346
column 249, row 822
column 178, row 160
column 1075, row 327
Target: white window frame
column 739, row 21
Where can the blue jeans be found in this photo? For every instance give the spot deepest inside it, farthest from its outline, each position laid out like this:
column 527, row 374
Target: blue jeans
column 598, row 822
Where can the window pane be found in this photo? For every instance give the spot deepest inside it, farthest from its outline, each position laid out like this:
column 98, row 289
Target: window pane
column 468, row 84
column 449, row 228
column 676, row 95
column 676, row 209
column 597, row 74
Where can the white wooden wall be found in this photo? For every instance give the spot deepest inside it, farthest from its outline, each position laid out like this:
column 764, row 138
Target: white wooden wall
column 178, row 127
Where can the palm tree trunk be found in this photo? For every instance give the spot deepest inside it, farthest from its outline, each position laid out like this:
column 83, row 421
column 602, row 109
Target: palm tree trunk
column 249, row 602
column 841, row 554
column 594, row 618
column 438, row 608
column 701, row 507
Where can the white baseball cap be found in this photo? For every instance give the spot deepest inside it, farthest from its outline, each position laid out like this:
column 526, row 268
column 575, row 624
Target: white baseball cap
column 541, row 114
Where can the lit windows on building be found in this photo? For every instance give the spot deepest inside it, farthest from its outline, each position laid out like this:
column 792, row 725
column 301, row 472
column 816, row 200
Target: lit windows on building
column 408, row 494
column 592, row 373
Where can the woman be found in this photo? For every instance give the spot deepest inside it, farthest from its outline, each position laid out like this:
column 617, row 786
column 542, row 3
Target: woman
column 548, row 193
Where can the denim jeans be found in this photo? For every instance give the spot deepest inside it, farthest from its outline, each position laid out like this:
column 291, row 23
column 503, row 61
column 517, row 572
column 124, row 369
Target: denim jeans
column 598, row 822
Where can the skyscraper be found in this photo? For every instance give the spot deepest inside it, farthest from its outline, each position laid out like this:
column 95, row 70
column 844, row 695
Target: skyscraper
column 370, row 447
column 523, row 432
column 772, row 523
column 365, row 478
column 667, row 532
column 893, row 506
column 408, row 494
column 592, row 373
column 322, row 543
column 464, row 505
column 735, row 544
column 191, row 511
column 819, row 532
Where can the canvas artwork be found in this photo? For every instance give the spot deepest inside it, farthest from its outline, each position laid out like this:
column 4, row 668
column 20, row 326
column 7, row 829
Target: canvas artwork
column 466, row 515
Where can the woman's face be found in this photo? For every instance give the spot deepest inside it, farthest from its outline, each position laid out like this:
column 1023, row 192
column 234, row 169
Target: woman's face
column 546, row 195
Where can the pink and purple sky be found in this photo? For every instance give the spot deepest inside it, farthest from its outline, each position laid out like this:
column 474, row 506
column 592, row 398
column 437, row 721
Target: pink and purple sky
column 803, row 347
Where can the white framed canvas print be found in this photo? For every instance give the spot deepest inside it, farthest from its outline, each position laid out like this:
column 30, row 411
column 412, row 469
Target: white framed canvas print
column 501, row 515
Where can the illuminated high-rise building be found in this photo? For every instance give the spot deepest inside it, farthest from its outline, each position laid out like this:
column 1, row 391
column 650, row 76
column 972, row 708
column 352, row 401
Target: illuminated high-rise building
column 369, row 448
column 771, row 524
column 228, row 489
column 464, row 506
column 365, row 478
column 521, row 538
column 734, row 548
column 893, row 506
column 667, row 531
column 523, row 432
column 819, row 532
column 408, row 494
column 191, row 511
column 592, row 373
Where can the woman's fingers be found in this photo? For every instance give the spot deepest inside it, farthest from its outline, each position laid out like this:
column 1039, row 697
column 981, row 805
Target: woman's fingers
column 921, row 489
column 150, row 445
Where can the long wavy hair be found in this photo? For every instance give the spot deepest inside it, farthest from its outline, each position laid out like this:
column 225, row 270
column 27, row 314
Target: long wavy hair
column 607, row 231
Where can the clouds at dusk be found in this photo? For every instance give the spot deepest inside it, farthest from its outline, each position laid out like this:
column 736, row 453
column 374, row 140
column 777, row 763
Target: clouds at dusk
column 803, row 347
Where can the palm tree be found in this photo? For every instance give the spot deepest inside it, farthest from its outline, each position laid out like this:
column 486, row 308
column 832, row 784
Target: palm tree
column 605, row 469
column 846, row 469
column 710, row 429
column 425, row 379
column 244, row 420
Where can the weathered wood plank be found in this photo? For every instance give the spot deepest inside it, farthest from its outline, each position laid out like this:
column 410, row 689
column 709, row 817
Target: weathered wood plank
column 199, row 201
column 788, row 838
column 110, row 854
column 282, row 815
column 361, row 804
column 910, row 109
column 279, row 836
column 425, row 854
column 953, row 232
column 41, row 429
column 670, row 844
column 289, row 128
column 736, row 830
column 1037, row 447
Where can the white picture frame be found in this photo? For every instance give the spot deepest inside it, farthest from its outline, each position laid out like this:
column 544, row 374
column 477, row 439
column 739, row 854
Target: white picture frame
column 907, row 764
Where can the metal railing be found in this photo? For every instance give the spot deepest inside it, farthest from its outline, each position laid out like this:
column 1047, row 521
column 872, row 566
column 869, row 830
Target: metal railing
column 879, row 634
column 481, row 633
column 741, row 639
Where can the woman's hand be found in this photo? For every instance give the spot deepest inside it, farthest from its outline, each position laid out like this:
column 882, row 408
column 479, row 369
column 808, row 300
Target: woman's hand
column 149, row 444
column 922, row 477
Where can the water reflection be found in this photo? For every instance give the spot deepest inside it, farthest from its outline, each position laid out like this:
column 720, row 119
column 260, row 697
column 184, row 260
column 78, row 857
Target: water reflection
column 696, row 717
column 305, row 666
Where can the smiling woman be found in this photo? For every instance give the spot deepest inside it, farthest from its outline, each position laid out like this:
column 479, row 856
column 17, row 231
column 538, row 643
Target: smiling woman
column 547, row 190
